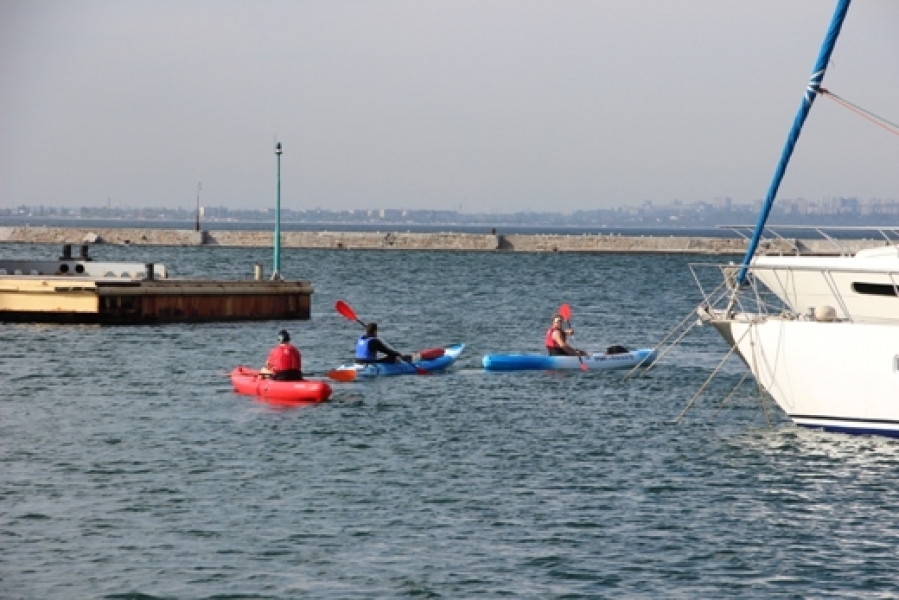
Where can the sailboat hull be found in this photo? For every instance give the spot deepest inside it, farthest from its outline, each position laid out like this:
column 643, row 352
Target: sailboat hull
column 837, row 376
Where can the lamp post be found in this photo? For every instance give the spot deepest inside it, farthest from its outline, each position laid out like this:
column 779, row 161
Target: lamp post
column 276, row 274
column 199, row 187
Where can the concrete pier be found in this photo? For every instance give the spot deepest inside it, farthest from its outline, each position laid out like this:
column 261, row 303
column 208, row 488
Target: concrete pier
column 354, row 240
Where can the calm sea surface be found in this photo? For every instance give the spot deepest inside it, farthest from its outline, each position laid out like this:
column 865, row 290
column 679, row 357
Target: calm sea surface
column 129, row 469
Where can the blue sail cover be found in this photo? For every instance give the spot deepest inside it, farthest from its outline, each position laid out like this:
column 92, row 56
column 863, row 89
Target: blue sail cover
column 811, row 92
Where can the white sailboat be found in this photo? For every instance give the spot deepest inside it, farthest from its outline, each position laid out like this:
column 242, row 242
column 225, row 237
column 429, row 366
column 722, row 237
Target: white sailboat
column 820, row 334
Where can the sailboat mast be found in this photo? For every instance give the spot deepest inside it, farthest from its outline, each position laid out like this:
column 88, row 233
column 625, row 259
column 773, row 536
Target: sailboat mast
column 811, row 92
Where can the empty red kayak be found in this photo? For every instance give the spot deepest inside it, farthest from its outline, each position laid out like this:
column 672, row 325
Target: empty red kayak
column 247, row 381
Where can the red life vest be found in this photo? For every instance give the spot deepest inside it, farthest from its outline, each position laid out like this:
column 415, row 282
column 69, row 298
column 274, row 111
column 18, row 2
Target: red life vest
column 550, row 342
column 284, row 357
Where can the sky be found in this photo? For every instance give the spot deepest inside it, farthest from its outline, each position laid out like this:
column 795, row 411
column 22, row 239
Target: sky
column 472, row 105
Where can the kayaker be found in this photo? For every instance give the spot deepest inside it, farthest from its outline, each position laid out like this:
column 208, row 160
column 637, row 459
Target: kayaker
column 557, row 340
column 369, row 345
column 284, row 362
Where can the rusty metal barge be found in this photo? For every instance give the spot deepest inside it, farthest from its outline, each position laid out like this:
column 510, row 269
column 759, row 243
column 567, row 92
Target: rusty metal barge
column 77, row 289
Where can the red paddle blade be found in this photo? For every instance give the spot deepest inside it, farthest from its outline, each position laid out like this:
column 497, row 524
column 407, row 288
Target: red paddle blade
column 343, row 375
column 565, row 311
column 344, row 309
column 583, row 365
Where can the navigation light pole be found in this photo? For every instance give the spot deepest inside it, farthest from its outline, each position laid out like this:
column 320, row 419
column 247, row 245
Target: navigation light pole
column 199, row 187
column 277, row 258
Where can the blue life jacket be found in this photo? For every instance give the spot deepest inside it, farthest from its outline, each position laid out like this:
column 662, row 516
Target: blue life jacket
column 363, row 349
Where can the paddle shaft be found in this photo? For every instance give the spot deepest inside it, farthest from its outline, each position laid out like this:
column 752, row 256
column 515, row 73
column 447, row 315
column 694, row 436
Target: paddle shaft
column 565, row 311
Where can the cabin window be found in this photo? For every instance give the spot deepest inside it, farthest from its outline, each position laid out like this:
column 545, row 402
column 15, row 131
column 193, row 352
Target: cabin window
column 875, row 289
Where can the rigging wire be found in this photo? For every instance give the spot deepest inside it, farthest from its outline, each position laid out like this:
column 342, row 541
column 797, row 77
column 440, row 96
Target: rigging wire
column 756, row 368
column 732, row 392
column 710, row 378
column 690, row 315
column 877, row 120
column 660, row 353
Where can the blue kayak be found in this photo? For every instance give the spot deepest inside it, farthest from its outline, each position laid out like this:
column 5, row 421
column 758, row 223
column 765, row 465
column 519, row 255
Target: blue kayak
column 426, row 361
column 599, row 361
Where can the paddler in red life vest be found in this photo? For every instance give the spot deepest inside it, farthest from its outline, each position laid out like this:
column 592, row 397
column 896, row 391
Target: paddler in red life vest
column 557, row 340
column 369, row 345
column 284, row 362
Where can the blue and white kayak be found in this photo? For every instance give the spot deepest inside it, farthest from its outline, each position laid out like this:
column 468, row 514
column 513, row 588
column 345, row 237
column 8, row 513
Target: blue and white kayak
column 426, row 361
column 599, row 361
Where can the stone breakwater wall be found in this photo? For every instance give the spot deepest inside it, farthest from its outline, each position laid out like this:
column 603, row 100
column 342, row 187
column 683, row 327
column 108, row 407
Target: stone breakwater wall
column 354, row 240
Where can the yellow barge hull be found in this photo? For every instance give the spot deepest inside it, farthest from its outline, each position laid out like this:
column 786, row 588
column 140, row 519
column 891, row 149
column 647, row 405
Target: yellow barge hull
column 51, row 299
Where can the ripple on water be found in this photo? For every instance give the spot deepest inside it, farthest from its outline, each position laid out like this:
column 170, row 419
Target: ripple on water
column 130, row 470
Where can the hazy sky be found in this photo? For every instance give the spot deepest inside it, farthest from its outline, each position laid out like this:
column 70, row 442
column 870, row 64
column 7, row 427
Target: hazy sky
column 485, row 105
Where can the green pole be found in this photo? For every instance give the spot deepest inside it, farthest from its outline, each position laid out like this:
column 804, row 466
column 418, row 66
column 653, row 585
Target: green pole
column 277, row 260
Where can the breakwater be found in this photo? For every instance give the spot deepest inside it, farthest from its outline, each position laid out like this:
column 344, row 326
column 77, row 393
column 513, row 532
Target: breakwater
column 354, row 240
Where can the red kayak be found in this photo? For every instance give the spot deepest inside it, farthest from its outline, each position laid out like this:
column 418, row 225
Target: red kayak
column 248, row 381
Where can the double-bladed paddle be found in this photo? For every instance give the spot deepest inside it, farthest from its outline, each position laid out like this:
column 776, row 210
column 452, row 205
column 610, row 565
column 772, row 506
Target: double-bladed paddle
column 349, row 375
column 565, row 311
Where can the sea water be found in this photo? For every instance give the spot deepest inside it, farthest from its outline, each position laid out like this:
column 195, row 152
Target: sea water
column 130, row 469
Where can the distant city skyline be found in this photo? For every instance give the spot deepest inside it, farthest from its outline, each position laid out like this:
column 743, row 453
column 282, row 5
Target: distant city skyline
column 473, row 106
column 674, row 214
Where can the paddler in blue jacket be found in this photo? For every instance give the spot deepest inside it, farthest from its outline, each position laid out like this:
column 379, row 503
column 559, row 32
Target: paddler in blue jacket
column 369, row 345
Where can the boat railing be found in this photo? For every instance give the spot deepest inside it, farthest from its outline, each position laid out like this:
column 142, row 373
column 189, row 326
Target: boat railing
column 773, row 291
column 844, row 240
column 717, row 282
column 83, row 269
